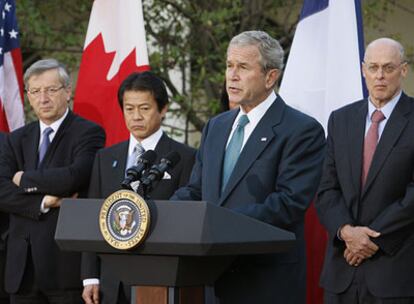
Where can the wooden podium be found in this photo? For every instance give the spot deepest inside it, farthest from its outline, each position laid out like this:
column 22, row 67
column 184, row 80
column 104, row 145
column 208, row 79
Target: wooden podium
column 189, row 244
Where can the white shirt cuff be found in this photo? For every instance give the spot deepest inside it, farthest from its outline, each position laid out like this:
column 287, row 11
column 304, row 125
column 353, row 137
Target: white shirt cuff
column 93, row 281
column 42, row 207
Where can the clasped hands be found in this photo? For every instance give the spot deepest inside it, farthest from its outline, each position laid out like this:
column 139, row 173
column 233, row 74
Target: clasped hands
column 49, row 201
column 359, row 246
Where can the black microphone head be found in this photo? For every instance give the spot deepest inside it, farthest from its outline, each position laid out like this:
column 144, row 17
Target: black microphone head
column 148, row 157
column 172, row 158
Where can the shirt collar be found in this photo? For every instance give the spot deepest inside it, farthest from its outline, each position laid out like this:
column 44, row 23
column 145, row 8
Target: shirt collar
column 259, row 111
column 55, row 125
column 386, row 109
column 148, row 143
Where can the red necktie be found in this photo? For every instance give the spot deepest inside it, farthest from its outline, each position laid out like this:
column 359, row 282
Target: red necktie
column 370, row 143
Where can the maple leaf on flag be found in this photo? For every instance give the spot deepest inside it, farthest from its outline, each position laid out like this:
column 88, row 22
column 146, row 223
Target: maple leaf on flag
column 115, row 46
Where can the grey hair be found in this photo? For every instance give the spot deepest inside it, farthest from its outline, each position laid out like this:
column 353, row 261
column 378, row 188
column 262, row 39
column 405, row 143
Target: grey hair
column 271, row 53
column 44, row 65
column 390, row 41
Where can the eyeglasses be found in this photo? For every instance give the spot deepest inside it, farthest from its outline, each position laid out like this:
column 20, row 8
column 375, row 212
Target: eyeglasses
column 51, row 91
column 387, row 68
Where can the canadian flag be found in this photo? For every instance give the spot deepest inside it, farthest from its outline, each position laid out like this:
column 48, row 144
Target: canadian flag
column 115, row 46
column 11, row 76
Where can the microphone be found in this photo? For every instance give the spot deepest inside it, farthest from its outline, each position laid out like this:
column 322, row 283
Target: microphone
column 135, row 172
column 157, row 171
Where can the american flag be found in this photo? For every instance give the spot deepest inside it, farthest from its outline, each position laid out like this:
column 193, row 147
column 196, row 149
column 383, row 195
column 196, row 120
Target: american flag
column 11, row 80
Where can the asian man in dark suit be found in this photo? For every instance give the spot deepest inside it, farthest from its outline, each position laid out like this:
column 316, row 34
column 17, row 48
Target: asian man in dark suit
column 262, row 160
column 4, row 225
column 144, row 101
column 42, row 163
column 366, row 196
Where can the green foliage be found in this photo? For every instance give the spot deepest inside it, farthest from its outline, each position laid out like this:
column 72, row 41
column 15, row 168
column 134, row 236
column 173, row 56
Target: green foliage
column 52, row 28
column 192, row 37
column 187, row 40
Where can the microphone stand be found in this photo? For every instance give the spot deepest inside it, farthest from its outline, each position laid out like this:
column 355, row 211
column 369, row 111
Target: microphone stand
column 143, row 190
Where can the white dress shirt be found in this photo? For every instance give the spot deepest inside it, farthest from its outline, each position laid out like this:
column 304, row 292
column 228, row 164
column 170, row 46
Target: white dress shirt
column 255, row 115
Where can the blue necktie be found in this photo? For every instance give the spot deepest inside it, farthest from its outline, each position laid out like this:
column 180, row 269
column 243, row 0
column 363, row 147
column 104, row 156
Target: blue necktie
column 233, row 150
column 45, row 144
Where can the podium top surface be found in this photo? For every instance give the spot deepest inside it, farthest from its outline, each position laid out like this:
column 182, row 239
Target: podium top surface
column 184, row 228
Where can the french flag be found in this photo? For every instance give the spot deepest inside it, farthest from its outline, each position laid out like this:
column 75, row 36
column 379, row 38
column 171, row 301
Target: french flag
column 115, row 46
column 11, row 69
column 323, row 73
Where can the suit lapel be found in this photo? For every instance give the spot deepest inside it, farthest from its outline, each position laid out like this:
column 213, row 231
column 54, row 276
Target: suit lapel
column 64, row 127
column 215, row 156
column 260, row 138
column 118, row 161
column 356, row 133
column 389, row 137
column 163, row 147
column 30, row 146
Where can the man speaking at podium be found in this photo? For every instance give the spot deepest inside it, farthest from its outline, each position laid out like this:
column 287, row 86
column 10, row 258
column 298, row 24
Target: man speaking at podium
column 262, row 160
column 143, row 99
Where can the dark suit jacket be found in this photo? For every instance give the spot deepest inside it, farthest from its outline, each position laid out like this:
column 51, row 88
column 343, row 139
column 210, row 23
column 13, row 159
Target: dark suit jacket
column 4, row 225
column 274, row 181
column 65, row 170
column 108, row 173
column 385, row 204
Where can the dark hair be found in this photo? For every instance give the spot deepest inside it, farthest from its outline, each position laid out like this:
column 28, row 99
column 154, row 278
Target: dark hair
column 145, row 81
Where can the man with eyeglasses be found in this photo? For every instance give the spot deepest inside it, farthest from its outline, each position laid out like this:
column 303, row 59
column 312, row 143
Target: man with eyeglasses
column 366, row 194
column 41, row 163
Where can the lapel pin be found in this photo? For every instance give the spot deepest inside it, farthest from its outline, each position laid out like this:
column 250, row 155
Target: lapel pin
column 114, row 164
column 263, row 138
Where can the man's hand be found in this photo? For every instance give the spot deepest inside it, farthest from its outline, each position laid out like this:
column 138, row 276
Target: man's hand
column 17, row 178
column 90, row 294
column 51, row 201
column 357, row 240
column 352, row 259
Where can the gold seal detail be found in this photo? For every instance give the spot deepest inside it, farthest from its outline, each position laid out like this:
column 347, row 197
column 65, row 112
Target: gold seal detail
column 124, row 219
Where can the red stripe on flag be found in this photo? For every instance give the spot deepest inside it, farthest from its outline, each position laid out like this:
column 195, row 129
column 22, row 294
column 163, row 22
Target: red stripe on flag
column 316, row 238
column 3, row 120
column 18, row 68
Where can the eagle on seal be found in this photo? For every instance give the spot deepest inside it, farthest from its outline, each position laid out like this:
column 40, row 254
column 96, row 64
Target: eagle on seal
column 124, row 221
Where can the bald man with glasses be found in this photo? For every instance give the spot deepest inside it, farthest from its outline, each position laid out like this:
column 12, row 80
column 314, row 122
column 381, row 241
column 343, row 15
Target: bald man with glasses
column 366, row 195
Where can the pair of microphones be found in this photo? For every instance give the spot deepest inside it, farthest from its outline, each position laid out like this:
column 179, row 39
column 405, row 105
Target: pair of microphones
column 147, row 172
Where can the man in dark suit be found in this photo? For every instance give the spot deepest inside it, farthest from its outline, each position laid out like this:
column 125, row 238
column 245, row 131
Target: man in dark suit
column 4, row 225
column 144, row 101
column 277, row 164
column 41, row 163
column 366, row 195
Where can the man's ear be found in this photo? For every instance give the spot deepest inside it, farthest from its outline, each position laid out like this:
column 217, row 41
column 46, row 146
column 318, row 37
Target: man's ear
column 272, row 76
column 164, row 111
column 68, row 92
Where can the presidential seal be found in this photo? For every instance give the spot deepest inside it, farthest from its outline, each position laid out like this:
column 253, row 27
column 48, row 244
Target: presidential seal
column 124, row 219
